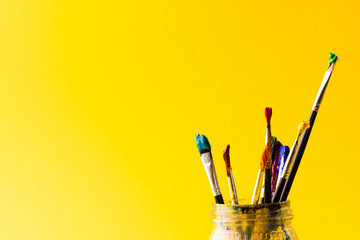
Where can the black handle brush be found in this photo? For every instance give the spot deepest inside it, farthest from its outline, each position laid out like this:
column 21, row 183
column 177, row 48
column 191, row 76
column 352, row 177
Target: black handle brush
column 332, row 60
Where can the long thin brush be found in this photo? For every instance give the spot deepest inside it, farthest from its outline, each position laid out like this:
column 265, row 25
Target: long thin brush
column 284, row 175
column 259, row 180
column 267, row 187
column 230, row 177
column 332, row 60
column 205, row 153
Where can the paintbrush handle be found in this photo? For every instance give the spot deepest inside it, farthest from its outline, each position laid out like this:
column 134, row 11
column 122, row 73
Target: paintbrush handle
column 257, row 189
column 297, row 159
column 232, row 189
column 267, row 187
column 219, row 199
column 279, row 190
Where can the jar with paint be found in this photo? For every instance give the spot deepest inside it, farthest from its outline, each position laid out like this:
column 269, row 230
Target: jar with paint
column 250, row 222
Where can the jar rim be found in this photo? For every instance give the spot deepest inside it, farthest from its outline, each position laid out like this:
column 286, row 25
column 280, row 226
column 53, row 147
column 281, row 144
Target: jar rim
column 249, row 205
column 251, row 211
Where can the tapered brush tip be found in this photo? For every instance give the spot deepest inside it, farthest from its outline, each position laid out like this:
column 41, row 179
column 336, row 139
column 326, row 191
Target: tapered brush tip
column 332, row 59
column 303, row 126
column 226, row 156
column 202, row 144
column 268, row 113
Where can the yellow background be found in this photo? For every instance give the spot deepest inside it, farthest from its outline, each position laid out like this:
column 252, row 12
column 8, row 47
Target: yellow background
column 100, row 102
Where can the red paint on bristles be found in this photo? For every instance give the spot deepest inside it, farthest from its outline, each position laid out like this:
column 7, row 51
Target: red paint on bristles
column 226, row 156
column 268, row 113
column 265, row 156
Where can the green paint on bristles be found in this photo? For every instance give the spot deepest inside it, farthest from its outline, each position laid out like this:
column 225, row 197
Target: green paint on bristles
column 202, row 143
column 332, row 59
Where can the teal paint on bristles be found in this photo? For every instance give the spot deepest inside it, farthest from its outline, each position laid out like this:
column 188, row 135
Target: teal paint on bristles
column 204, row 148
column 202, row 144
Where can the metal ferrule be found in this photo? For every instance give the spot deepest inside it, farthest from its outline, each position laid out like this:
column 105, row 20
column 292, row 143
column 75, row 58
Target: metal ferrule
column 285, row 173
column 210, row 172
column 281, row 169
column 321, row 91
column 233, row 193
column 257, row 189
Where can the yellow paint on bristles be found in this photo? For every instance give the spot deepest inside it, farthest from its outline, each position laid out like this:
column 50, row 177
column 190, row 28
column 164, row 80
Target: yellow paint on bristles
column 303, row 126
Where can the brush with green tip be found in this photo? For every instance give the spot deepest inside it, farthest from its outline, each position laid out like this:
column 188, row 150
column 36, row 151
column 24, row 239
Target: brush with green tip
column 205, row 153
column 305, row 137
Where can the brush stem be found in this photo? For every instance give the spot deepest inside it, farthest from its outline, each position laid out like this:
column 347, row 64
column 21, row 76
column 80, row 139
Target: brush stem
column 257, row 189
column 267, row 187
column 262, row 195
column 219, row 199
column 279, row 190
column 298, row 156
column 321, row 92
column 210, row 172
column 232, row 188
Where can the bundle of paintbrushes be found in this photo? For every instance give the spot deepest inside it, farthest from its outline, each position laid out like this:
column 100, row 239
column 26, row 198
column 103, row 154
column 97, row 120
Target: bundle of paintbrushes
column 278, row 163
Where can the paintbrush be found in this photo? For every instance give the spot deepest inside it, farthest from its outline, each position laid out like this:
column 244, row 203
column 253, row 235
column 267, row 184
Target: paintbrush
column 284, row 153
column 259, row 180
column 205, row 153
column 230, row 177
column 267, row 180
column 284, row 175
column 315, row 109
column 274, row 164
column 273, row 144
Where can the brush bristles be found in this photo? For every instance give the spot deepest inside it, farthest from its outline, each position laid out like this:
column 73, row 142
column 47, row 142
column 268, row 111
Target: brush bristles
column 303, row 126
column 202, row 143
column 226, row 156
column 332, row 60
column 268, row 114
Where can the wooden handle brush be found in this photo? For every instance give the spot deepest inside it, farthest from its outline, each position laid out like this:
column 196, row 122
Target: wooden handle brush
column 230, row 177
column 205, row 153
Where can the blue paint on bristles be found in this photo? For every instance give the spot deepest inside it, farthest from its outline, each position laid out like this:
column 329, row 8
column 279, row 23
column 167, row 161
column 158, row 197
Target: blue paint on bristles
column 284, row 151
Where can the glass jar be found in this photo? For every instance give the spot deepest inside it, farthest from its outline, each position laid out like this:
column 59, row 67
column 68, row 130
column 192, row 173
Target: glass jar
column 250, row 222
